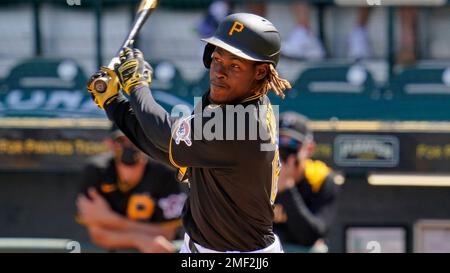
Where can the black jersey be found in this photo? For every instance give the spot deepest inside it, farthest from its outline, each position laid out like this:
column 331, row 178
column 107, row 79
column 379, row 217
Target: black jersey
column 232, row 179
column 157, row 198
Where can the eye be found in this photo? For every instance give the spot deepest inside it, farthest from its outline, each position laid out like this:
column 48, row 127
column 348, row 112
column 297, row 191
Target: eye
column 235, row 66
column 216, row 58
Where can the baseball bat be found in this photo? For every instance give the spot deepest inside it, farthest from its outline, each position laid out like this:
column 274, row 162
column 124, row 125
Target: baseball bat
column 146, row 8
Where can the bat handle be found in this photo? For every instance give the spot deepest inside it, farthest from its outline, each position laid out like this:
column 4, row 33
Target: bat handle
column 101, row 84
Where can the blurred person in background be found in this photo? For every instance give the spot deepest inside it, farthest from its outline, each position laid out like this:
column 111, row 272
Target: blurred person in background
column 302, row 43
column 307, row 189
column 215, row 13
column 359, row 44
column 128, row 201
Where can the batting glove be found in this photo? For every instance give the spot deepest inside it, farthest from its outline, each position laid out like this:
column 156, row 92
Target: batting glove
column 133, row 70
column 104, row 98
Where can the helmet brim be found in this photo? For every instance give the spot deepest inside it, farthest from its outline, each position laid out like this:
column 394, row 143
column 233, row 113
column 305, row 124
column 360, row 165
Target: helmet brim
column 233, row 50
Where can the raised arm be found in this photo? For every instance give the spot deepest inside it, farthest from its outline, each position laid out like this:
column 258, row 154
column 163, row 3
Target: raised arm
column 135, row 76
column 120, row 112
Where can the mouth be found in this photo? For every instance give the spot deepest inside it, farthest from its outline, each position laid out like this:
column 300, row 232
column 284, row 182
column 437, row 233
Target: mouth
column 219, row 85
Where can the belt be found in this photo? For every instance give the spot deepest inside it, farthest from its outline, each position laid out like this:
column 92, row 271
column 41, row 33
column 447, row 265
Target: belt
column 192, row 246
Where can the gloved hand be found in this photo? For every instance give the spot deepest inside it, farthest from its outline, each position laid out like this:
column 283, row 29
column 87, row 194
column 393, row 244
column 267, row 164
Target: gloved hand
column 133, row 70
column 112, row 90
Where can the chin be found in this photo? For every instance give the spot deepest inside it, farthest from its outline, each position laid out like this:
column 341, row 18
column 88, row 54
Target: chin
column 217, row 97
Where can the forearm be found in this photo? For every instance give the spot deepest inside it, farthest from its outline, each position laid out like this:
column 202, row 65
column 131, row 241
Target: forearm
column 111, row 239
column 120, row 223
column 154, row 120
column 122, row 115
column 166, row 230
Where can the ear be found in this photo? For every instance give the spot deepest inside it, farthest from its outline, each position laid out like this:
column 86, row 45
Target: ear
column 261, row 71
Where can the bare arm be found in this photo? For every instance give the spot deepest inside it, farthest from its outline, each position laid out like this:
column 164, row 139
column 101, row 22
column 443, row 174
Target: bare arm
column 113, row 239
column 96, row 212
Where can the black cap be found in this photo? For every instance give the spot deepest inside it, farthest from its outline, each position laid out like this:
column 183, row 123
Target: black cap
column 246, row 35
column 294, row 130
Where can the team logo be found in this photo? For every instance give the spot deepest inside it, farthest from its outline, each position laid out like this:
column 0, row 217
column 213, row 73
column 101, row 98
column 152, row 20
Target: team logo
column 172, row 205
column 237, row 26
column 140, row 206
column 183, row 132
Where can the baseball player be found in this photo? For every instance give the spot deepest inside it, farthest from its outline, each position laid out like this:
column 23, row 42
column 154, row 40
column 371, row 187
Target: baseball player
column 307, row 189
column 233, row 180
column 126, row 199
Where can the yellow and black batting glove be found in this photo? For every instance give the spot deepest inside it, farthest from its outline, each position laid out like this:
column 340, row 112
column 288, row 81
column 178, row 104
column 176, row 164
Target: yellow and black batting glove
column 133, row 70
column 112, row 90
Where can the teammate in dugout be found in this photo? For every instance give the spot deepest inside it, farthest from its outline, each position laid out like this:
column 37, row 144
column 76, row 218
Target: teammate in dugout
column 128, row 201
column 233, row 183
column 307, row 189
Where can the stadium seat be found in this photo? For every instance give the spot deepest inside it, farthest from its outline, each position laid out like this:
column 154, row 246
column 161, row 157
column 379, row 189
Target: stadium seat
column 421, row 93
column 168, row 86
column 42, row 87
column 416, row 81
column 167, row 77
column 199, row 87
column 47, row 73
column 332, row 91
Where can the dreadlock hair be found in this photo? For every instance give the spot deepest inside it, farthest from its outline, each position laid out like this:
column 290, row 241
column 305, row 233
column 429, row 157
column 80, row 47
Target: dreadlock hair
column 274, row 82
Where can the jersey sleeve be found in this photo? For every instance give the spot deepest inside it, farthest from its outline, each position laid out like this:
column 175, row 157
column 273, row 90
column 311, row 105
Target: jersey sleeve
column 121, row 113
column 171, row 194
column 190, row 152
column 89, row 178
column 180, row 141
column 176, row 135
column 212, row 141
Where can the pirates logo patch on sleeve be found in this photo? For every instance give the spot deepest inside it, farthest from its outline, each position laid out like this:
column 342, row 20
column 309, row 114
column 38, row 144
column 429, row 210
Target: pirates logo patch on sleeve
column 183, row 132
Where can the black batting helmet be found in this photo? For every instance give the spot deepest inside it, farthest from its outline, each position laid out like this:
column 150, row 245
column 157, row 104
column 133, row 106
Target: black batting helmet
column 246, row 35
column 294, row 130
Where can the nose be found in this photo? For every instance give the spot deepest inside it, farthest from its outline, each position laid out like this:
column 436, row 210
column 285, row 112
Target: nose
column 219, row 71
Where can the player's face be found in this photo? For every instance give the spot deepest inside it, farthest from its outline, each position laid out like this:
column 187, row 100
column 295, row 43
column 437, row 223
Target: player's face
column 233, row 78
column 126, row 152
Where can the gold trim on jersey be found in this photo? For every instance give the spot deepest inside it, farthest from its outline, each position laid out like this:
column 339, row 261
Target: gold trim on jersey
column 252, row 97
column 172, row 161
column 181, row 170
column 108, row 188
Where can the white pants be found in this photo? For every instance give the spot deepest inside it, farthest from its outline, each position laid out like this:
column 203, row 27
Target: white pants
column 275, row 247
